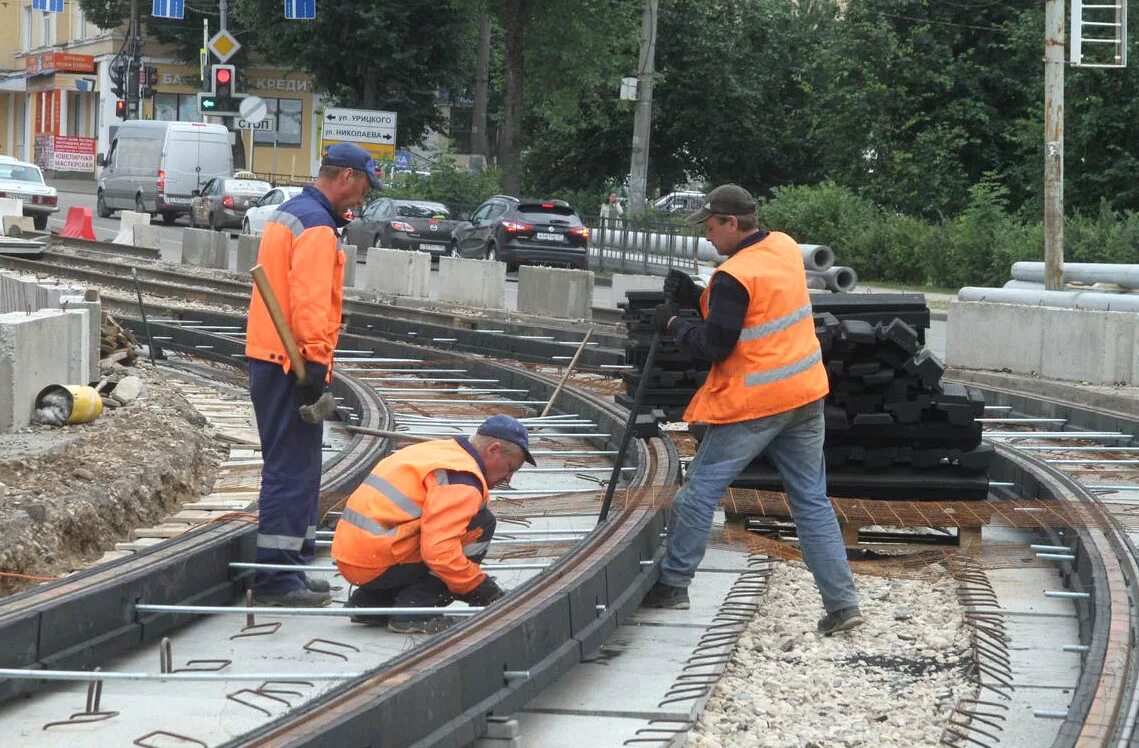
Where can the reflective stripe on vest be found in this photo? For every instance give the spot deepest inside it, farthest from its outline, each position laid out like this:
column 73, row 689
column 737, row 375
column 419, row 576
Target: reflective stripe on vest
column 279, row 542
column 783, row 372
column 776, row 325
column 365, row 523
column 394, row 495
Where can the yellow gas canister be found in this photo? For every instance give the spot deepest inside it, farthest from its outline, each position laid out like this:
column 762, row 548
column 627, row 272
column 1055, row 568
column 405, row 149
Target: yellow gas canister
column 80, row 402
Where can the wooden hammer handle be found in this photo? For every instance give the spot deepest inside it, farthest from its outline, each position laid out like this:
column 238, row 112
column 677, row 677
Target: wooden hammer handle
column 283, row 332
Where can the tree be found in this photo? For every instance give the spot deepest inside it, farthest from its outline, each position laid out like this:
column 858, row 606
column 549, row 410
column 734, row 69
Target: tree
column 377, row 54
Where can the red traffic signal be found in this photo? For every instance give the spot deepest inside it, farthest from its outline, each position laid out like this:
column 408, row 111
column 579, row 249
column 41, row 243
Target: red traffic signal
column 121, row 109
column 223, row 75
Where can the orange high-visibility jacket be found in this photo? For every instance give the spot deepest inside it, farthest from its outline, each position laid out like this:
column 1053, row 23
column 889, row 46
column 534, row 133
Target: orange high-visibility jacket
column 777, row 364
column 301, row 254
column 405, row 511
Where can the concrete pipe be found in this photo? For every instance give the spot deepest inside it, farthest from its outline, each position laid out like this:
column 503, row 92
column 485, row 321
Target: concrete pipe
column 816, row 283
column 1126, row 276
column 1098, row 288
column 1024, row 285
column 837, row 278
column 1061, row 299
column 818, row 257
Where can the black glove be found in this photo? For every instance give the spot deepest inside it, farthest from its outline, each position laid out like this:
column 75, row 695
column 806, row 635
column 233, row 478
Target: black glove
column 313, row 387
column 663, row 314
column 486, row 593
column 679, row 287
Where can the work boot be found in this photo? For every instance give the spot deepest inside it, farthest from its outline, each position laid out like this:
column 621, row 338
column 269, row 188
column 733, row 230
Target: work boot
column 317, row 585
column 428, row 625
column 666, row 596
column 362, row 598
column 840, row 620
column 301, row 597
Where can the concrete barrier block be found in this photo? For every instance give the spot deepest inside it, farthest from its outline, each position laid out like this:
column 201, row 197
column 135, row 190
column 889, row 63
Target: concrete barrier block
column 128, row 219
column 144, row 235
column 350, row 253
column 625, row 282
column 478, row 283
column 220, row 250
column 94, row 331
column 247, row 247
column 11, row 206
column 397, row 273
column 197, row 247
column 983, row 335
column 1087, row 346
column 554, row 292
column 17, row 225
column 78, row 346
column 33, row 354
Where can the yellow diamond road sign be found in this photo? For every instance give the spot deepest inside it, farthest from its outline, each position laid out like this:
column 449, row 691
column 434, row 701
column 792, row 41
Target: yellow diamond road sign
column 223, row 45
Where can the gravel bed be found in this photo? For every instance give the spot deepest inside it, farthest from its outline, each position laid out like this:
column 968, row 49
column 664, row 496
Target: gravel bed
column 892, row 682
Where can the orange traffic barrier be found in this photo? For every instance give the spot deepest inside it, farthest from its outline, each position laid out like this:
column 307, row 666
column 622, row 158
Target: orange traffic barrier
column 79, row 224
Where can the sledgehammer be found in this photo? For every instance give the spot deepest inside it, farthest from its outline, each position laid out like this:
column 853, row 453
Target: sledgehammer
column 325, row 406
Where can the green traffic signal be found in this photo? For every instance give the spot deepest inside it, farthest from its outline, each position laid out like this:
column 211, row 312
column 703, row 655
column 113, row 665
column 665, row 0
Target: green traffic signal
column 209, row 104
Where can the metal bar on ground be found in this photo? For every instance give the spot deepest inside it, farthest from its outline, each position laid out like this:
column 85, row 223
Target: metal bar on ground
column 93, row 675
column 319, row 612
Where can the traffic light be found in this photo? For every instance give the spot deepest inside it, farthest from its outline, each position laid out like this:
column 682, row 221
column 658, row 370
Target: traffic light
column 148, row 77
column 207, row 103
column 119, row 77
column 121, row 109
column 223, row 84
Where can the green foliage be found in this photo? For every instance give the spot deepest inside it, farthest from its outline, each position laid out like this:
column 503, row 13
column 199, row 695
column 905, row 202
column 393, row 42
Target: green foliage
column 975, row 248
column 458, row 188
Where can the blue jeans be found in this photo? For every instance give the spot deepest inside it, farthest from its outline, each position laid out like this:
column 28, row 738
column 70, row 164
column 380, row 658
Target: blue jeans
column 794, row 442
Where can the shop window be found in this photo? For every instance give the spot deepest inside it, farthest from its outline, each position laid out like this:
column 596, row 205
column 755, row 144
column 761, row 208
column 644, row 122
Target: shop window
column 287, row 115
column 172, row 107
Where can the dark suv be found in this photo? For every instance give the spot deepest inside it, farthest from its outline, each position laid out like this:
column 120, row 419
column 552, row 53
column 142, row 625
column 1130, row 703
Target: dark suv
column 540, row 232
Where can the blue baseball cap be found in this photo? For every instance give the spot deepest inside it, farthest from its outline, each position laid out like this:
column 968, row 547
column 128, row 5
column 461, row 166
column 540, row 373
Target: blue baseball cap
column 508, row 430
column 352, row 156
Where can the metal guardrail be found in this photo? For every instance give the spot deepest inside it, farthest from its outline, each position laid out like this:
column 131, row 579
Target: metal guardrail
column 643, row 245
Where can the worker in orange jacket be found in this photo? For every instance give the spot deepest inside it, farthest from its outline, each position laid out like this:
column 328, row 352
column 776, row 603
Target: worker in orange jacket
column 300, row 252
column 414, row 533
column 763, row 395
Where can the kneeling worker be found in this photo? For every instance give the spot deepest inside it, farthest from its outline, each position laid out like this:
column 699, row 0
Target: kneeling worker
column 414, row 533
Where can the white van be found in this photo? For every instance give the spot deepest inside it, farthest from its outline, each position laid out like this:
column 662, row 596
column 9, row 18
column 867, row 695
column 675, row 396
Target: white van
column 155, row 167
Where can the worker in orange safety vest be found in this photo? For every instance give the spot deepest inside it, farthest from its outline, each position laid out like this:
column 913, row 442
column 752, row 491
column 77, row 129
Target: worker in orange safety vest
column 414, row 533
column 763, row 395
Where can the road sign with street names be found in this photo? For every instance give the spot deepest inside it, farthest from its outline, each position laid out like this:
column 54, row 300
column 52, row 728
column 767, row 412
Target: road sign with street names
column 168, row 9
column 371, row 129
column 300, row 10
column 223, row 45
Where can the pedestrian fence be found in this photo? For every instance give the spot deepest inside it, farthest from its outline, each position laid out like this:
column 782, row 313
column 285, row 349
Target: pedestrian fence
column 651, row 247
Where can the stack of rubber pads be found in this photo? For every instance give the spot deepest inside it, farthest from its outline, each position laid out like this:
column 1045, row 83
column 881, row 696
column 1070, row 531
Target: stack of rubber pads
column 893, row 429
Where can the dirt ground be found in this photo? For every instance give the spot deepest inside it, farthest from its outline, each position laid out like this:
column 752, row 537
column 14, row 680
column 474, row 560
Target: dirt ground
column 71, row 492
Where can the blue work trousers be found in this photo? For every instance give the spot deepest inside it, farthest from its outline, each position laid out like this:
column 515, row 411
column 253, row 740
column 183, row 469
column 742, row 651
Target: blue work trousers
column 290, row 478
column 794, row 442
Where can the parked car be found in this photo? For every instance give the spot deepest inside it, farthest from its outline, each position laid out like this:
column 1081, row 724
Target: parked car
column 679, row 202
column 21, row 180
column 543, row 232
column 154, row 166
column 223, row 201
column 265, row 206
column 401, row 223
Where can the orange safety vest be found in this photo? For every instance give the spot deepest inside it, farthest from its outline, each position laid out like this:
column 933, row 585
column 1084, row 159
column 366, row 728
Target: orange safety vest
column 776, row 365
column 405, row 511
column 300, row 253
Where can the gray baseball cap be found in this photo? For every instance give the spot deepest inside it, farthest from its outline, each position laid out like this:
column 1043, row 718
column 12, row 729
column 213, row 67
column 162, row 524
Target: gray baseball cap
column 725, row 200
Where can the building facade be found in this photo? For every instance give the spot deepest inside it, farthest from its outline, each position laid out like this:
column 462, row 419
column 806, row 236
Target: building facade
column 57, row 108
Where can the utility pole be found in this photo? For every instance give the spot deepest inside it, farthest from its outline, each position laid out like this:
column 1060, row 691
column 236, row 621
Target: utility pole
column 1053, row 145
column 134, row 67
column 643, row 115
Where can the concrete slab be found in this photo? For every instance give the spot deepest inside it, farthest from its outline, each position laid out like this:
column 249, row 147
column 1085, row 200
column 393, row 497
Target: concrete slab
column 622, row 283
column 17, row 225
column 247, row 247
column 33, row 354
column 145, row 235
column 1087, row 345
column 128, row 219
column 1036, row 654
column 478, row 283
column 350, row 253
column 94, row 310
column 554, row 292
column 706, row 592
column 1030, row 731
column 574, row 731
column 629, row 677
column 1021, row 593
column 983, row 335
column 398, row 273
column 197, row 247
